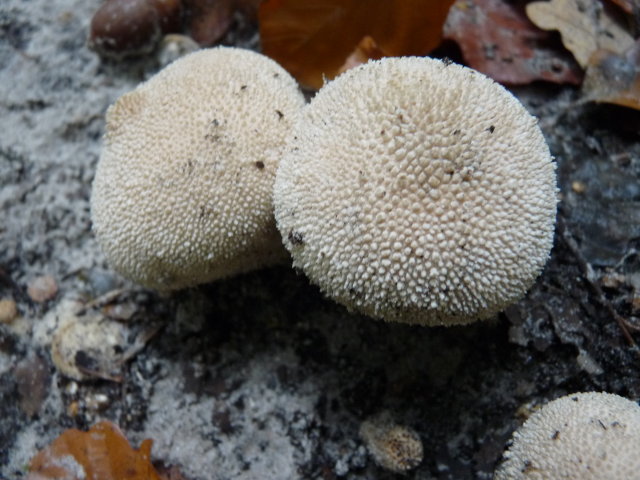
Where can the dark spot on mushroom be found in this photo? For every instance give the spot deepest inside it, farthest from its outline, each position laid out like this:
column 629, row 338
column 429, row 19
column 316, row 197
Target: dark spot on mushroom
column 280, row 114
column 296, row 238
column 604, row 427
column 491, row 129
column 260, row 165
column 447, row 61
column 555, row 435
column 382, row 132
column 456, row 132
column 215, row 122
column 354, row 293
column 188, row 167
column 276, row 75
column 528, row 466
column 243, row 87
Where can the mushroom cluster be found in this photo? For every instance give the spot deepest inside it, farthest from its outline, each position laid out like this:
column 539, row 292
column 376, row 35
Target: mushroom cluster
column 183, row 188
column 418, row 191
column 409, row 189
column 583, row 436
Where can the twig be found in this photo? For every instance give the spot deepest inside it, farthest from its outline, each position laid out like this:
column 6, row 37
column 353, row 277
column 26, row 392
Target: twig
column 102, row 300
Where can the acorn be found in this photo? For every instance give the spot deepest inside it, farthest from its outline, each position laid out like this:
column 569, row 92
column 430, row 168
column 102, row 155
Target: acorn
column 122, row 28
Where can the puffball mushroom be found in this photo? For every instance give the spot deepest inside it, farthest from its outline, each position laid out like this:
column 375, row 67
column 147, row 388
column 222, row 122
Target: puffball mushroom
column 418, row 191
column 183, row 189
column 584, row 436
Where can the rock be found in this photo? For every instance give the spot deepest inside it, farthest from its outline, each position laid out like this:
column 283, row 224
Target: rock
column 42, row 289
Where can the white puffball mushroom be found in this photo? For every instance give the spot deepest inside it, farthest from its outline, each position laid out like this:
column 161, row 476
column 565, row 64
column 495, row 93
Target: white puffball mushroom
column 583, row 436
column 183, row 188
column 417, row 191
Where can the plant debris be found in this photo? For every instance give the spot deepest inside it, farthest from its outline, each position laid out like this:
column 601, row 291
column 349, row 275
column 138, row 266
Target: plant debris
column 497, row 39
column 585, row 26
column 102, row 453
column 313, row 39
column 614, row 78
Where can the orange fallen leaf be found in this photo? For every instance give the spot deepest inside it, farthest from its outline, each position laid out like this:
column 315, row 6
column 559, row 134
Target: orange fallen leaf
column 584, row 26
column 613, row 78
column 366, row 50
column 101, row 453
column 313, row 38
column 497, row 39
column 627, row 5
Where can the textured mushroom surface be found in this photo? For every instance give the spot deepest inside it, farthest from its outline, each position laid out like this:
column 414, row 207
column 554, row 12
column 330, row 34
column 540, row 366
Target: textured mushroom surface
column 584, row 436
column 395, row 447
column 417, row 191
column 183, row 189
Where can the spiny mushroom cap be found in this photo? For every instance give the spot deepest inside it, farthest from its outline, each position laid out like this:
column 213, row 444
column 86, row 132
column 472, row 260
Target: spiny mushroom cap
column 395, row 447
column 585, row 436
column 418, row 191
column 183, row 189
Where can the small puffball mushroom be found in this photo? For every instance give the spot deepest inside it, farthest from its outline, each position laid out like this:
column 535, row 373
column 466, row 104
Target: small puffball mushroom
column 418, row 191
column 584, row 436
column 183, row 188
column 395, row 447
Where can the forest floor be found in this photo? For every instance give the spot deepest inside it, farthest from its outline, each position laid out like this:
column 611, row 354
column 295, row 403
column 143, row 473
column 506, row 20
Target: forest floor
column 260, row 376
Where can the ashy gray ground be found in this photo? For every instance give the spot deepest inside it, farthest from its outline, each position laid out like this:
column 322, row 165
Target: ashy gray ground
column 259, row 376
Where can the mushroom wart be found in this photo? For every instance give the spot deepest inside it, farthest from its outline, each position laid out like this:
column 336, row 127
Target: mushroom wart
column 417, row 191
column 183, row 189
column 583, row 436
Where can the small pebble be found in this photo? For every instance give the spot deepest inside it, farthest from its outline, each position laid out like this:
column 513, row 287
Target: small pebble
column 96, row 402
column 578, row 186
column 102, row 281
column 73, row 409
column 42, row 289
column 8, row 310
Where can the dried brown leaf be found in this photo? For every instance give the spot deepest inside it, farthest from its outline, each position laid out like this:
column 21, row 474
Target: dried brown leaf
column 102, row 453
column 614, row 78
column 313, row 38
column 497, row 39
column 209, row 20
column 366, row 50
column 584, row 25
